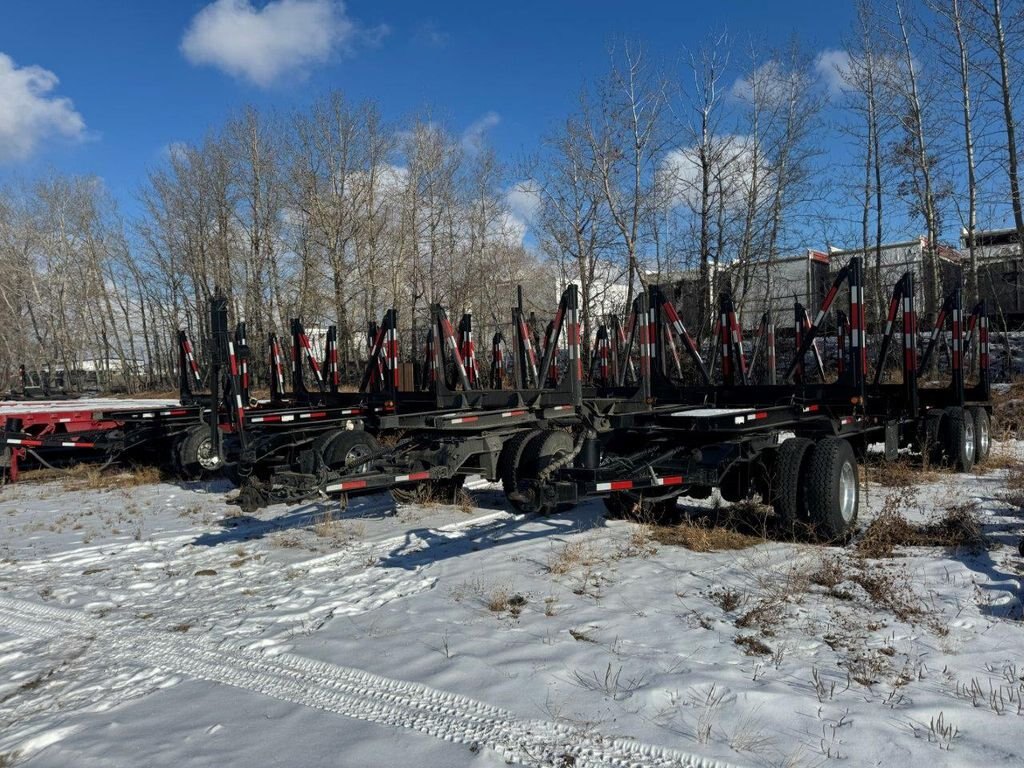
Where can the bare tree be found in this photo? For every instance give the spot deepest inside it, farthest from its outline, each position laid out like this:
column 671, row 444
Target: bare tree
column 625, row 131
column 914, row 152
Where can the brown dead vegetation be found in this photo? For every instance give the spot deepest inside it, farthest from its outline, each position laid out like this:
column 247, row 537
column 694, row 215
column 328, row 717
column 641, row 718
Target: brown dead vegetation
column 703, row 536
column 1008, row 410
column 898, row 473
column 88, row 477
column 887, row 587
column 958, row 527
column 572, row 555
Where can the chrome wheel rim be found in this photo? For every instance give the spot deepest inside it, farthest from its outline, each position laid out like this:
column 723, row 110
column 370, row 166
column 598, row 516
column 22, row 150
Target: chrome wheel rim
column 206, row 456
column 355, row 453
column 847, row 492
column 983, row 439
column 969, row 440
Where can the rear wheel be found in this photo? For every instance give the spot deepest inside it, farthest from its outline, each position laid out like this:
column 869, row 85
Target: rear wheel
column 982, row 433
column 786, row 490
column 539, row 453
column 832, row 489
column 959, row 438
column 196, row 454
column 509, row 461
column 342, row 449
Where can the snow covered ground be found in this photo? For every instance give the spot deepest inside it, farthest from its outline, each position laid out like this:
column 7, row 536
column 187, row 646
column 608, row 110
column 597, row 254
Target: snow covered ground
column 153, row 625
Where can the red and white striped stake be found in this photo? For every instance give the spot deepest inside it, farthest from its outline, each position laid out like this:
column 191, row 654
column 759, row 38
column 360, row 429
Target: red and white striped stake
column 186, row 345
column 276, row 366
column 453, row 345
column 233, row 368
column 531, row 355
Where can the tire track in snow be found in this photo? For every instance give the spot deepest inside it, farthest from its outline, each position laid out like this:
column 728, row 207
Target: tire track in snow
column 349, row 692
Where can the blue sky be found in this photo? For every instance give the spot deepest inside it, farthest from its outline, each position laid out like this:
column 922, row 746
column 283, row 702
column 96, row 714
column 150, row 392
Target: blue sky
column 122, row 65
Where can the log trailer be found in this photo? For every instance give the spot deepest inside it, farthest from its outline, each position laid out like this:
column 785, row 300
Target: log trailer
column 641, row 446
column 640, row 436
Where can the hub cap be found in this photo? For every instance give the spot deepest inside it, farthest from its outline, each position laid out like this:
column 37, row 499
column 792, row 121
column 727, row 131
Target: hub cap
column 969, row 439
column 983, row 438
column 355, row 453
column 206, row 456
column 847, row 492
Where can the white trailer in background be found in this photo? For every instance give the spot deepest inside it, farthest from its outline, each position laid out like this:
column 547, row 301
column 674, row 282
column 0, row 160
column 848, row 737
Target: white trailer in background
column 762, row 286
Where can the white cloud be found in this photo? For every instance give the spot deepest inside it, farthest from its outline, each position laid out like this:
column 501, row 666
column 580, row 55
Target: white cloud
column 30, row 113
column 771, row 83
column 523, row 201
column 474, row 135
column 840, row 71
column 264, row 45
column 679, row 172
column 508, row 228
column 833, row 67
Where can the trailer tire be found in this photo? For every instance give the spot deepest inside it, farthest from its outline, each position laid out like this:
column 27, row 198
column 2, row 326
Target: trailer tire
column 539, row 453
column 958, row 440
column 510, row 459
column 195, row 454
column 832, row 489
column 787, row 490
column 340, row 447
column 982, row 433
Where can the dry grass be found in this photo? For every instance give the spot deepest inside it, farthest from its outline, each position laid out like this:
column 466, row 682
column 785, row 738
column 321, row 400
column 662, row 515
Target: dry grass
column 886, row 532
column 497, row 601
column 1008, row 410
column 324, row 524
column 501, row 600
column 702, row 537
column 572, row 555
column 728, row 599
column 82, row 477
column 464, row 501
column 887, row 587
column 752, row 646
column 1002, row 456
column 1015, row 479
column 957, row 527
column 901, row 473
column 94, row 478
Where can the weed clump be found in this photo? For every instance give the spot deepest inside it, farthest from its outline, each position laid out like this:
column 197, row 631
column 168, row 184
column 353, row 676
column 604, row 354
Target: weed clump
column 700, row 537
column 958, row 527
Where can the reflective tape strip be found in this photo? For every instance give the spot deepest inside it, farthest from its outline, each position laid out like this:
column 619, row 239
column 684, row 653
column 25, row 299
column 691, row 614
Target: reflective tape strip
column 413, row 477
column 615, row 485
column 671, row 480
column 349, row 485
